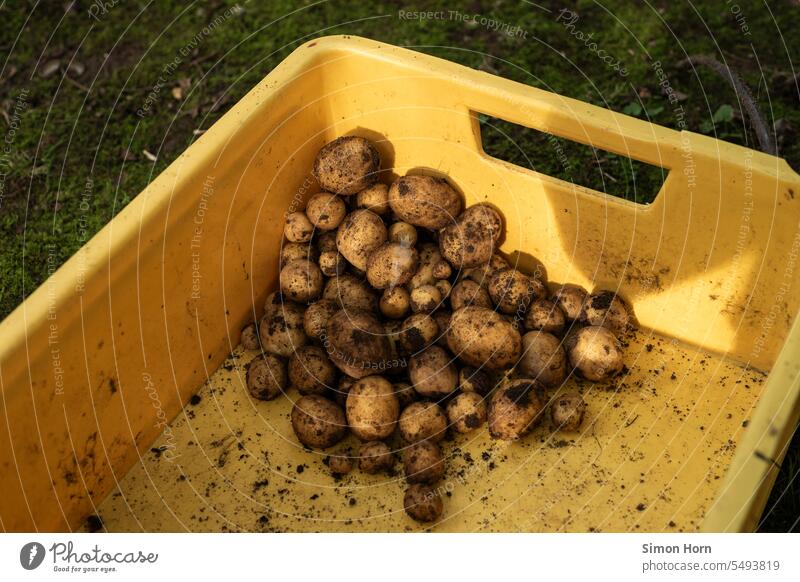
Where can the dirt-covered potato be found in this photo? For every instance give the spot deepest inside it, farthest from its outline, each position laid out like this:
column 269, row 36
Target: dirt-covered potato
column 422, row 503
column 395, row 302
column 433, row 373
column 374, row 198
column 325, row 210
column 467, row 292
column 301, row 280
column 374, row 457
column 442, row 318
column 326, row 241
column 466, row 412
column 512, row 291
column 318, row 422
column 405, row 394
column 421, row 421
column 249, row 337
column 543, row 358
column 403, row 233
column 391, row 264
column 359, row 235
column 332, row 264
column 425, row 201
column 482, row 274
column 372, row 408
column 429, row 256
column 470, row 241
column 310, row 371
column 567, row 411
column 350, row 292
column 356, row 343
column 594, row 353
column 444, row 287
column 317, row 315
column 570, row 298
column 347, row 165
column 607, row 309
column 417, row 332
column 291, row 251
column 442, row 270
column 341, row 462
column 266, row 376
column 482, row 337
column 423, row 462
column 544, row 315
column 473, row 380
column 515, row 409
column 425, row 299
column 281, row 329
column 298, row 228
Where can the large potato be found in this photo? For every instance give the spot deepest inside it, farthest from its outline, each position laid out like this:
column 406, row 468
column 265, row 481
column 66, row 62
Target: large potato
column 433, row 373
column 372, row 408
column 347, row 165
column 391, row 264
column 594, row 353
column 481, row 337
column 281, row 329
column 350, row 292
column 359, row 235
column 543, row 358
column 301, row 280
column 425, row 201
column 515, row 409
column 357, row 344
column 471, row 240
column 318, row 422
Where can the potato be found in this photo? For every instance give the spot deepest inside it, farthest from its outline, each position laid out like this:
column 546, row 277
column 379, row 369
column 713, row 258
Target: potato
column 281, row 329
column 594, row 353
column 372, row 408
column 543, row 358
column 356, row 343
column 425, row 299
column 341, row 463
column 395, row 302
column 481, row 337
column 291, row 251
column 347, row 165
column 423, row 462
column 607, row 309
column 511, row 291
column 473, row 380
column 266, row 376
column 444, row 287
column 391, row 264
column 310, row 371
column 442, row 270
column 403, row 233
column 301, row 280
column 343, row 389
column 433, row 373
column 442, row 319
column 467, row 292
column 326, row 241
column 374, row 457
column 429, row 256
column 405, row 394
column 417, row 332
column 422, row 503
column 374, row 198
column 482, row 274
column 544, row 315
column 466, row 412
column 332, row 264
column 317, row 315
column 567, row 411
column 359, row 235
column 318, row 422
column 425, row 201
column 570, row 298
column 350, row 293
column 470, row 241
column 515, row 409
column 249, row 337
column 421, row 421
column 326, row 211
column 298, row 228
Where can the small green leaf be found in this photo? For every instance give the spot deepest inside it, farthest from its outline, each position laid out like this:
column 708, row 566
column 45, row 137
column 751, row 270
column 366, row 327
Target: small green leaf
column 632, row 108
column 653, row 111
column 723, row 114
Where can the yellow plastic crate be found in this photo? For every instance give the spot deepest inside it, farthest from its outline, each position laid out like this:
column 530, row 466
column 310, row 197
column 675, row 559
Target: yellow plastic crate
column 100, row 360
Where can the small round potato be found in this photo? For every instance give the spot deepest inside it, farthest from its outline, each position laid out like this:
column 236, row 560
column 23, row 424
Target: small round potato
column 467, row 292
column 347, row 165
column 374, row 457
column 544, row 315
column 310, row 371
column 425, row 299
column 512, row 291
column 374, row 198
column 317, row 315
column 349, row 292
column 445, row 287
column 326, row 211
column 442, row 270
column 266, row 376
column 481, row 337
column 594, row 353
column 332, row 264
column 515, row 409
column 298, row 228
column 417, row 332
column 281, row 329
column 326, row 241
column 425, row 201
column 359, row 235
column 422, row 503
column 391, row 264
column 356, row 343
column 403, row 233
column 466, row 412
column 372, row 408
column 433, row 373
column 249, row 337
column 567, row 411
column 341, row 463
column 570, row 298
column 318, row 422
column 291, row 251
column 395, row 303
column 301, row 280
column 606, row 308
column 482, row 274
column 543, row 358
column 471, row 240
column 423, row 462
column 421, row 421
column 473, row 380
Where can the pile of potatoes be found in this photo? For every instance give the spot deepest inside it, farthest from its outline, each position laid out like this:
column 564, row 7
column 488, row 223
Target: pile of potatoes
column 397, row 320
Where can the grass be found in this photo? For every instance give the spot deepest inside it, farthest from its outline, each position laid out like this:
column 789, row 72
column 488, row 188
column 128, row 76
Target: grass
column 77, row 152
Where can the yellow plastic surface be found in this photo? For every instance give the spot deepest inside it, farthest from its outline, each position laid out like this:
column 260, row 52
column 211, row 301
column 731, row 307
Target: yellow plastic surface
column 95, row 363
